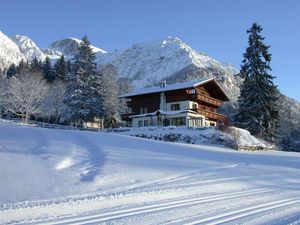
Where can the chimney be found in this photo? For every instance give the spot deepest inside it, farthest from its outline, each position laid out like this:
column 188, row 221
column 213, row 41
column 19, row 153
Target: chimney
column 163, row 84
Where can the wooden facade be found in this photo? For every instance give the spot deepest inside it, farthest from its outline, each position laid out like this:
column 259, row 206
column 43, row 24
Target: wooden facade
column 203, row 99
column 149, row 101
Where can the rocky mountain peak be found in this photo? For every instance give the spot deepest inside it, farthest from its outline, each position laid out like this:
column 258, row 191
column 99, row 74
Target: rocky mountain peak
column 28, row 48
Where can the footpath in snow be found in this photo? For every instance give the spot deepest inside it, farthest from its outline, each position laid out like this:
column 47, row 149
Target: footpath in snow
column 51, row 176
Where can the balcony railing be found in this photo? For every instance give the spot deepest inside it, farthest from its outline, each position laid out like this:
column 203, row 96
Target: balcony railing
column 212, row 115
column 209, row 100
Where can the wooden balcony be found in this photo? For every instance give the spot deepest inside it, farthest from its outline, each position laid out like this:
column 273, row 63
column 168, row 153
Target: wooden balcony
column 212, row 115
column 209, row 100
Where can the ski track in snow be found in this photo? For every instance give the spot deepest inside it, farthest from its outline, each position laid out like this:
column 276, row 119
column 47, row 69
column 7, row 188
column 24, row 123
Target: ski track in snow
column 258, row 203
column 189, row 185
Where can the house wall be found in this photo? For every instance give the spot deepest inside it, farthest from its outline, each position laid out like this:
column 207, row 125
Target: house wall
column 149, row 101
column 163, row 101
column 211, row 89
column 177, row 95
column 198, row 117
column 210, row 123
column 182, row 105
column 177, row 116
column 152, row 120
column 97, row 124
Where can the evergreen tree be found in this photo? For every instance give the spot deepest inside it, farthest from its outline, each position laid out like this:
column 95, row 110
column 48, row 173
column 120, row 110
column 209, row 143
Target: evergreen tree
column 12, row 71
column 286, row 139
column 258, row 110
column 81, row 95
column 69, row 66
column 61, row 68
column 36, row 66
column 23, row 67
column 47, row 70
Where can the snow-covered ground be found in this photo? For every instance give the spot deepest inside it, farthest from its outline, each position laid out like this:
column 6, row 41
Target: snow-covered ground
column 52, row 176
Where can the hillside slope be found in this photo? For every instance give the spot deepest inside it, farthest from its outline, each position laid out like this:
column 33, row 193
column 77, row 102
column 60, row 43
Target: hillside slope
column 79, row 177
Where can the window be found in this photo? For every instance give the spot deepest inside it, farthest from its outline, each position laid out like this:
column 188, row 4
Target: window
column 143, row 110
column 195, row 122
column 191, row 91
column 126, row 110
column 194, row 106
column 177, row 121
column 140, row 123
column 175, row 107
column 146, row 123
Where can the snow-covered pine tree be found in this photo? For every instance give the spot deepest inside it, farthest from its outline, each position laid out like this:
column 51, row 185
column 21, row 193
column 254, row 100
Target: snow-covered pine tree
column 286, row 139
column 11, row 71
column 48, row 70
column 60, row 68
column 23, row 67
column 36, row 66
column 69, row 66
column 286, row 142
column 257, row 103
column 81, row 92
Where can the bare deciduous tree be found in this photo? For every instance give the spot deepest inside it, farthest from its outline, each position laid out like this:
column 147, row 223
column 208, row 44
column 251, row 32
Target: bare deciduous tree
column 25, row 95
column 53, row 106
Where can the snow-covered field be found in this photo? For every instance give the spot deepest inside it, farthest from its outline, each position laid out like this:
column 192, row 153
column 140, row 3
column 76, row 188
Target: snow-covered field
column 50, row 176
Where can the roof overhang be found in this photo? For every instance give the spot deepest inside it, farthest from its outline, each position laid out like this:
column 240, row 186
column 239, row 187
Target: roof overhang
column 172, row 87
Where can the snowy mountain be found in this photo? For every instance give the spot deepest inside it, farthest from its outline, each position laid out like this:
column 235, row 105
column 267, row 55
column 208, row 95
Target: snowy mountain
column 169, row 59
column 9, row 51
column 28, row 48
column 14, row 49
column 67, row 47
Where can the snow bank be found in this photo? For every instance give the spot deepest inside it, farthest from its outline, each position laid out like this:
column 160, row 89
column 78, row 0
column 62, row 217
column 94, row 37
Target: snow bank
column 243, row 140
column 233, row 137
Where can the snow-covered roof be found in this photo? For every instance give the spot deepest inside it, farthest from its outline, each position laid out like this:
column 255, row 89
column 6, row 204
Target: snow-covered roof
column 171, row 87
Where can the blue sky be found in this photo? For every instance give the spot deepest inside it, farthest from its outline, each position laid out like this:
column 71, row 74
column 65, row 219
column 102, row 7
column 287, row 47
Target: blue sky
column 216, row 27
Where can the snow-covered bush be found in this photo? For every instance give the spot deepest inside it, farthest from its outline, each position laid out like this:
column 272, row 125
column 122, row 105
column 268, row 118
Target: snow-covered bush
column 242, row 140
column 232, row 137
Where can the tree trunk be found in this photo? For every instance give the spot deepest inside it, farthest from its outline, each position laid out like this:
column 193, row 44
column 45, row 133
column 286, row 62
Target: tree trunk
column 26, row 118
